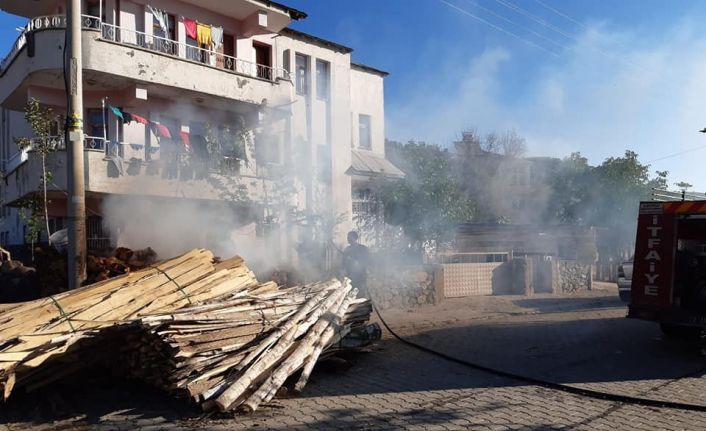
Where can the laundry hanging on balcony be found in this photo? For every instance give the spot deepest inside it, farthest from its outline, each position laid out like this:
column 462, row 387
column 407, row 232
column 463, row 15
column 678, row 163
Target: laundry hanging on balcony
column 203, row 32
column 216, row 37
column 141, row 120
column 117, row 112
column 190, row 26
column 186, row 140
column 160, row 130
column 161, row 17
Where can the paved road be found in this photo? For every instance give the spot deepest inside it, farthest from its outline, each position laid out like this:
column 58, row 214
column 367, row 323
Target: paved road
column 582, row 340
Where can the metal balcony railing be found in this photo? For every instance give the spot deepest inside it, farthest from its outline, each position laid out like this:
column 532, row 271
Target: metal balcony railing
column 172, row 48
column 54, row 143
column 151, row 43
column 40, row 23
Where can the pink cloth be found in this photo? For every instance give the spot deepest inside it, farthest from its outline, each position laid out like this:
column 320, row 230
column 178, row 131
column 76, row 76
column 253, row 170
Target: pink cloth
column 139, row 119
column 185, row 138
column 161, row 131
column 191, row 27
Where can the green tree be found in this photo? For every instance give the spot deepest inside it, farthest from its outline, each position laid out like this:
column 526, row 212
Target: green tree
column 35, row 210
column 605, row 196
column 428, row 203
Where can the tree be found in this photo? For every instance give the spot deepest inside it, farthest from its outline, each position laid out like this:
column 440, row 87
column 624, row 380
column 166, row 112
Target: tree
column 34, row 210
column 607, row 195
column 570, row 185
column 683, row 186
column 428, row 203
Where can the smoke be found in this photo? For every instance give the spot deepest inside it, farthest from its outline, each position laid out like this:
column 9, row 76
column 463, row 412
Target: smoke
column 202, row 197
column 646, row 95
column 175, row 226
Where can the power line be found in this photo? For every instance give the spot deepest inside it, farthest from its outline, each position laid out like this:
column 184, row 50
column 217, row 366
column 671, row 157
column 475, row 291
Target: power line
column 539, row 35
column 496, row 27
column 561, row 14
column 668, row 156
column 535, row 18
column 560, row 31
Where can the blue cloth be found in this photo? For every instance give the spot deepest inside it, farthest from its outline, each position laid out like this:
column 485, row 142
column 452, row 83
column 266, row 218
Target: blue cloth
column 117, row 112
column 136, row 147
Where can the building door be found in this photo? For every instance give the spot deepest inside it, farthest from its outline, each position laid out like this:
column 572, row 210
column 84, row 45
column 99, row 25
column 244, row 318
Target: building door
column 263, row 58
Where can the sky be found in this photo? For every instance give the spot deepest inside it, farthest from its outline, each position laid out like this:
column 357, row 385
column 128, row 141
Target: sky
column 594, row 76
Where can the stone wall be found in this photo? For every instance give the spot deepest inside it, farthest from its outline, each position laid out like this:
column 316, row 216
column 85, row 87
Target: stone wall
column 403, row 287
column 573, row 276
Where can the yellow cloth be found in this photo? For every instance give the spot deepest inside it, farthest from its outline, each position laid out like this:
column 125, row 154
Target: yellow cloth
column 203, row 34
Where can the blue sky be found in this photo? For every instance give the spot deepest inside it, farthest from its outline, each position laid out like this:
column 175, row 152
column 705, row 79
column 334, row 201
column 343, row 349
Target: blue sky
column 623, row 74
column 595, row 76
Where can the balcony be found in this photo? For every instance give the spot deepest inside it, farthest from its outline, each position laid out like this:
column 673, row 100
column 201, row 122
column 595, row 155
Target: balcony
column 182, row 51
column 130, row 169
column 122, row 57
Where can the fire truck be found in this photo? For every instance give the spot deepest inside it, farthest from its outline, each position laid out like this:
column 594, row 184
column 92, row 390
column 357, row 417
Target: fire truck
column 669, row 271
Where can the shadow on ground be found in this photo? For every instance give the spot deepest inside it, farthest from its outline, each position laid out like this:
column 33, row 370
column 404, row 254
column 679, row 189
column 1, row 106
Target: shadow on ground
column 565, row 304
column 565, row 349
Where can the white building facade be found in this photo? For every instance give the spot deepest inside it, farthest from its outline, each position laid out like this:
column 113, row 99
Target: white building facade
column 215, row 103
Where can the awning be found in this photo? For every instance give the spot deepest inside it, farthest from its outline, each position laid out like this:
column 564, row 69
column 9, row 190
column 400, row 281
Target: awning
column 367, row 164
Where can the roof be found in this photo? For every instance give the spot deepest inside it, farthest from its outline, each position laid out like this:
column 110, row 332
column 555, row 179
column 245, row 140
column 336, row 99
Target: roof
column 293, row 13
column 369, row 69
column 368, row 164
column 296, row 34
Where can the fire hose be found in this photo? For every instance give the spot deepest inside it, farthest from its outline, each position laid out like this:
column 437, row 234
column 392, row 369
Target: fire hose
column 588, row 393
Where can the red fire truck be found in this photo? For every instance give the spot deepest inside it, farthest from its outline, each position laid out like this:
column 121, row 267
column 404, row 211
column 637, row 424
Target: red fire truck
column 669, row 272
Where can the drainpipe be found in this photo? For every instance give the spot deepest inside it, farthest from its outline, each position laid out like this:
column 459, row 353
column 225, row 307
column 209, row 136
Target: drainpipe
column 76, row 206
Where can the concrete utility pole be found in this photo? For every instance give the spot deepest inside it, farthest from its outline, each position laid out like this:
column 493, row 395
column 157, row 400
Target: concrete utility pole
column 76, row 206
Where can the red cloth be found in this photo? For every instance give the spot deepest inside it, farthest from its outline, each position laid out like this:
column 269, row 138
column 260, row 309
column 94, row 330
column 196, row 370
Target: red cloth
column 190, row 26
column 161, row 131
column 139, row 119
column 185, row 138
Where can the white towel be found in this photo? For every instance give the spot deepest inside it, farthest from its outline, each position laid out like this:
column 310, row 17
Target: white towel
column 216, row 37
column 162, row 18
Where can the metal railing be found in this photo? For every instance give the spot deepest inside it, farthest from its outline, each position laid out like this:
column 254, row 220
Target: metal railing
column 662, row 195
column 53, row 143
column 40, row 23
column 172, row 48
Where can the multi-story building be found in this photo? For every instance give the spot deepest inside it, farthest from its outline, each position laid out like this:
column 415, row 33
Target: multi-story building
column 505, row 188
column 233, row 125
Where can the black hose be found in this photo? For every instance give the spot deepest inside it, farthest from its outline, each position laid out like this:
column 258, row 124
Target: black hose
column 606, row 396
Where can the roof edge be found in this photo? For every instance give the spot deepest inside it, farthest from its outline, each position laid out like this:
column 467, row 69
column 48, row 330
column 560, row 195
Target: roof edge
column 295, row 14
column 288, row 31
column 369, row 69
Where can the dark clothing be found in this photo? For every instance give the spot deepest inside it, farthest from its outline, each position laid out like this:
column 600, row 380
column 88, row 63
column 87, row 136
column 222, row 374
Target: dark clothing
column 356, row 260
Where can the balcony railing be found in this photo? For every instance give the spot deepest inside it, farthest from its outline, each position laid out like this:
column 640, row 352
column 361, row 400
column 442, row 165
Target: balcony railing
column 152, row 43
column 54, row 143
column 40, row 23
column 172, row 48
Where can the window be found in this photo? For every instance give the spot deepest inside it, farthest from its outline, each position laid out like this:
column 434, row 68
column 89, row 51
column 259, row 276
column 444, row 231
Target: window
column 267, row 148
column 322, row 79
column 302, row 66
column 287, row 61
column 364, row 136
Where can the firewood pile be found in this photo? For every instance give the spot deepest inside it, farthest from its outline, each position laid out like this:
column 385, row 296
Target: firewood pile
column 121, row 262
column 193, row 326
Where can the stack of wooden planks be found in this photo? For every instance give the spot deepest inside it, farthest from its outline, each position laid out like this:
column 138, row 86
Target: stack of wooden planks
column 190, row 325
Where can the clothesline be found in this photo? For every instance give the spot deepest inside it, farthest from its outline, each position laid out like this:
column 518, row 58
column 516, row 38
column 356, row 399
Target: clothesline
column 159, row 130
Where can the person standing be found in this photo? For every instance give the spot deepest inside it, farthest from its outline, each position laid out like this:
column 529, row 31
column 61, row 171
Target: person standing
column 356, row 261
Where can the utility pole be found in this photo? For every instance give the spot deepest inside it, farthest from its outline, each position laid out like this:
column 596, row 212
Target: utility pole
column 76, row 205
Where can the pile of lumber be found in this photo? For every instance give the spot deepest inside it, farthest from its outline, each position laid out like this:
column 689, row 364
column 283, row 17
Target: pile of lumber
column 190, row 325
